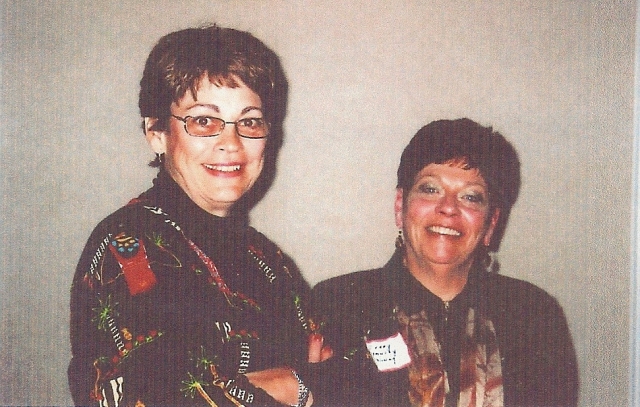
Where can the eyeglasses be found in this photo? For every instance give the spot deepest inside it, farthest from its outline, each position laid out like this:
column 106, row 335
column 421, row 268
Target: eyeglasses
column 207, row 126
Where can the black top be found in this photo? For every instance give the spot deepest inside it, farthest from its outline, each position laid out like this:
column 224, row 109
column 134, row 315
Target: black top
column 539, row 365
column 169, row 302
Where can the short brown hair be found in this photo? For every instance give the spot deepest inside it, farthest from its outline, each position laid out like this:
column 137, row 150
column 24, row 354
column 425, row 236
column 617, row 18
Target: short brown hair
column 182, row 58
column 480, row 147
column 179, row 61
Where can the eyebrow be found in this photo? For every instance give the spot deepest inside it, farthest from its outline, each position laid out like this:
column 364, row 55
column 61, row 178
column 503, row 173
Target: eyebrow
column 217, row 109
column 437, row 177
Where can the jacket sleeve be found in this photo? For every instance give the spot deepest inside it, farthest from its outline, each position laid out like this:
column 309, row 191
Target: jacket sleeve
column 87, row 342
column 349, row 378
column 540, row 359
column 291, row 294
column 556, row 370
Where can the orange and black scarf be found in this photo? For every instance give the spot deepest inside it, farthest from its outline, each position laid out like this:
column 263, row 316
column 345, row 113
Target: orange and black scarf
column 480, row 366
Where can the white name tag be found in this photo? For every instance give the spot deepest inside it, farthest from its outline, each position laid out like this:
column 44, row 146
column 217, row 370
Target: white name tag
column 389, row 354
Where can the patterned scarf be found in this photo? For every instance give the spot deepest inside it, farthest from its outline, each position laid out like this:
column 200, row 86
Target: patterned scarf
column 480, row 367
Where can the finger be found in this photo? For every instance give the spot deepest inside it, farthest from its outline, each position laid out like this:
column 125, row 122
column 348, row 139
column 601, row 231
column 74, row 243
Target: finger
column 316, row 342
column 326, row 353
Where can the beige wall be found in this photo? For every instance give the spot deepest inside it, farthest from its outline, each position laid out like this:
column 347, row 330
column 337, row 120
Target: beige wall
column 554, row 76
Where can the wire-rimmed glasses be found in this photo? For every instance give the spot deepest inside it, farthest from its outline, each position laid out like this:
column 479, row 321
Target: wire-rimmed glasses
column 209, row 126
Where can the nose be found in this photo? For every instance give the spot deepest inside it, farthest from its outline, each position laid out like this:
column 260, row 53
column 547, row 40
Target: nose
column 228, row 140
column 448, row 205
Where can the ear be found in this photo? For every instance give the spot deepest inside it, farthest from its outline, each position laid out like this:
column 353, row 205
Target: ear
column 157, row 139
column 492, row 226
column 397, row 207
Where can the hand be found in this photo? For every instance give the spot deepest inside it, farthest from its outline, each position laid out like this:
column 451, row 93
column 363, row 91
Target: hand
column 279, row 383
column 318, row 351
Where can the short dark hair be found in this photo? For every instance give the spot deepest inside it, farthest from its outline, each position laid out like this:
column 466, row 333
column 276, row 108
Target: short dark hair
column 481, row 148
column 179, row 61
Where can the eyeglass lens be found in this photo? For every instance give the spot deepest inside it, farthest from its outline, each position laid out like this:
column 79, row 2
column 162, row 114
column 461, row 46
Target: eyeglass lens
column 206, row 126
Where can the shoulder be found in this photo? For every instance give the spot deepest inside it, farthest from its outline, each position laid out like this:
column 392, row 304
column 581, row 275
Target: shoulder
column 514, row 291
column 134, row 214
column 353, row 283
column 271, row 259
column 259, row 241
column 363, row 294
column 126, row 224
column 350, row 305
column 264, row 249
column 516, row 302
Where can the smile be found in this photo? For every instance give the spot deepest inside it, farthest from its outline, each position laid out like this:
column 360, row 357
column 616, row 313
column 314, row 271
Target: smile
column 441, row 230
column 223, row 168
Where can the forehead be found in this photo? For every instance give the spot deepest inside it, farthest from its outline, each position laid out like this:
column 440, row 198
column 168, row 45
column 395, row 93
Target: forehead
column 218, row 94
column 453, row 172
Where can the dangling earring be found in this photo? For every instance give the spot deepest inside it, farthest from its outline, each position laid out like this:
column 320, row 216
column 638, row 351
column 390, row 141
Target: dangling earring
column 399, row 240
column 160, row 158
column 487, row 260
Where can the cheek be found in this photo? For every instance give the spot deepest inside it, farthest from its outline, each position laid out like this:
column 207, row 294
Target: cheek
column 477, row 221
column 419, row 209
column 183, row 149
column 255, row 152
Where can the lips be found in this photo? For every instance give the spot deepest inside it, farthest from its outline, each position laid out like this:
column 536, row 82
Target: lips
column 223, row 168
column 441, row 230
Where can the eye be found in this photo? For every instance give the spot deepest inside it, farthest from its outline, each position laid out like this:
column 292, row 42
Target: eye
column 474, row 197
column 428, row 188
column 204, row 121
column 204, row 126
column 251, row 122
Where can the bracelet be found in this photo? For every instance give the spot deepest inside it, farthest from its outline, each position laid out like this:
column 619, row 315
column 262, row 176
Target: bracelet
column 303, row 391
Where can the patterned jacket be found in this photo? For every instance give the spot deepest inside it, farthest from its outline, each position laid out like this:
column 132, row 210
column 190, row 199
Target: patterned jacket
column 171, row 305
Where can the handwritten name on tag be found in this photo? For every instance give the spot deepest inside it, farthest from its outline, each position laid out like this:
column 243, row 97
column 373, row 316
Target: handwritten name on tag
column 389, row 354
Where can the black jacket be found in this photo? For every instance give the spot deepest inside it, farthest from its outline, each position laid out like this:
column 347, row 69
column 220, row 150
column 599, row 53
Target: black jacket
column 539, row 365
column 133, row 339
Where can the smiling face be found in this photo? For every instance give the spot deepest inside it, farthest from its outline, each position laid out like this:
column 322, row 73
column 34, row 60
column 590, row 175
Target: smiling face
column 445, row 217
column 213, row 171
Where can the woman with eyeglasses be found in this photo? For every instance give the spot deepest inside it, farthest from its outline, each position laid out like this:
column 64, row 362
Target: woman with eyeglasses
column 437, row 326
column 176, row 300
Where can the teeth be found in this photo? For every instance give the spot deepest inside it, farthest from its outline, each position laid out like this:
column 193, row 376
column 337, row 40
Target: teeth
column 444, row 231
column 223, row 168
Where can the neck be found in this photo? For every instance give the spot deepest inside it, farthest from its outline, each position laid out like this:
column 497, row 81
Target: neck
column 443, row 280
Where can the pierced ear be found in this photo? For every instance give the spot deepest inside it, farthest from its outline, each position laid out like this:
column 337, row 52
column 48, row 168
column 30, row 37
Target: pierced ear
column 397, row 207
column 492, row 226
column 155, row 138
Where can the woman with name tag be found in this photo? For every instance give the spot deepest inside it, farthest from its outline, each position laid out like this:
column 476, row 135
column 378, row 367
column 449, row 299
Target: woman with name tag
column 437, row 326
column 176, row 300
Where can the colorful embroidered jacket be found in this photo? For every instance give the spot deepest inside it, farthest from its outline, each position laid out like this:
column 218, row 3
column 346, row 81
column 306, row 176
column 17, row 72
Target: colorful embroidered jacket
column 170, row 305
column 501, row 341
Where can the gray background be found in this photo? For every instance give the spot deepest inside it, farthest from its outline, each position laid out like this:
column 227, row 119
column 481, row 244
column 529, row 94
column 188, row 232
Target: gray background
column 554, row 76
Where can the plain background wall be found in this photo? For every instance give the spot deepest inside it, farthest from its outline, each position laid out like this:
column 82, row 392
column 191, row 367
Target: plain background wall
column 554, row 76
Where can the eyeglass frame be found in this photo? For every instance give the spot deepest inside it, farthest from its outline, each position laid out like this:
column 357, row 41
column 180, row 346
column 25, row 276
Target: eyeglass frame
column 224, row 123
